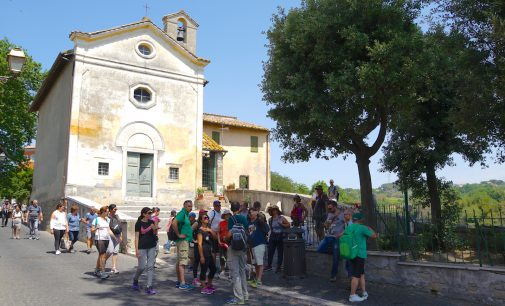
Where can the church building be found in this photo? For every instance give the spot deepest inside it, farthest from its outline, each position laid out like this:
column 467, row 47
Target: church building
column 121, row 120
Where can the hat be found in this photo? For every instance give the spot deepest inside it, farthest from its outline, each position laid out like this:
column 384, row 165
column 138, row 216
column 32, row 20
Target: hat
column 319, row 187
column 192, row 214
column 216, row 202
column 202, row 211
column 357, row 216
column 225, row 212
column 333, row 202
column 296, row 197
column 273, row 207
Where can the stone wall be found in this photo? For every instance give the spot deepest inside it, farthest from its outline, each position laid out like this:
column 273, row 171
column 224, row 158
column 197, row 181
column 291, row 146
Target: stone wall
column 469, row 282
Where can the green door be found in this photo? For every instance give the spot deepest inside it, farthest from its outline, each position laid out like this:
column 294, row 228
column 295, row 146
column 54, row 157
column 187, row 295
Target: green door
column 139, row 174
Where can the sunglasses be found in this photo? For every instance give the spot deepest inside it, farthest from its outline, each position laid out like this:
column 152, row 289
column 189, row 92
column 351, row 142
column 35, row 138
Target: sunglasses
column 205, row 217
column 149, row 212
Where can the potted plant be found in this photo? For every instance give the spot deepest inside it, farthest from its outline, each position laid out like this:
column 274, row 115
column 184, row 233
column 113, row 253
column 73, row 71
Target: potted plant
column 199, row 193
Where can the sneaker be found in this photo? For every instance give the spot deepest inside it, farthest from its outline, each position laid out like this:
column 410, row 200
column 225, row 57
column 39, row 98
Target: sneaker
column 58, row 252
column 96, row 272
column 177, row 284
column 186, row 286
column 196, row 282
column 252, row 283
column 364, row 295
column 212, row 288
column 206, row 290
column 114, row 271
column 268, row 268
column 104, row 275
column 31, row 238
column 333, row 279
column 136, row 286
column 37, row 238
column 72, row 251
column 235, row 301
column 150, row 291
column 355, row 298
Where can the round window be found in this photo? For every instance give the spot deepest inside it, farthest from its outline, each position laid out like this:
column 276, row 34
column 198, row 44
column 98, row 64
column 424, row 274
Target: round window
column 144, row 49
column 142, row 95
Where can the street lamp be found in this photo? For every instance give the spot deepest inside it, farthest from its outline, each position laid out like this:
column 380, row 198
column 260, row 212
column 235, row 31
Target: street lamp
column 16, row 59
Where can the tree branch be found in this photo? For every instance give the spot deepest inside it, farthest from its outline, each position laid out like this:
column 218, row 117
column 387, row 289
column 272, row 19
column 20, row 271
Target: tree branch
column 382, row 134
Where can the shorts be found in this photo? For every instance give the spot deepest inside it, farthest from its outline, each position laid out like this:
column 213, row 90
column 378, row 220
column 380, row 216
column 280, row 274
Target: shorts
column 73, row 235
column 357, row 267
column 113, row 247
column 258, row 254
column 101, row 246
column 182, row 252
column 88, row 233
column 16, row 226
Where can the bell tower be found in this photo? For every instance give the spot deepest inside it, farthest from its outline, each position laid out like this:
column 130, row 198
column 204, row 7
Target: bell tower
column 181, row 27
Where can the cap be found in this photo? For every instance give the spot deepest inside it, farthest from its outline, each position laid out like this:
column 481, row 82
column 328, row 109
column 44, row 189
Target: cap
column 202, row 211
column 357, row 216
column 226, row 212
column 216, row 202
column 333, row 202
column 192, row 214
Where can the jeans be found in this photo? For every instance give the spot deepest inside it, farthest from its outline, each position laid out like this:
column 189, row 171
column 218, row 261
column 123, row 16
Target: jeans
column 147, row 256
column 58, row 235
column 237, row 262
column 275, row 244
column 33, row 224
column 333, row 244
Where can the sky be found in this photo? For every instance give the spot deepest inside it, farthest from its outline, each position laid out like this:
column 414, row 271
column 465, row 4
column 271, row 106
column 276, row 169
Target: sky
column 231, row 35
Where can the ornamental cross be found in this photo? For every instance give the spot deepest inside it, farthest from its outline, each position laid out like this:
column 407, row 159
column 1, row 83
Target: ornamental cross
column 147, row 7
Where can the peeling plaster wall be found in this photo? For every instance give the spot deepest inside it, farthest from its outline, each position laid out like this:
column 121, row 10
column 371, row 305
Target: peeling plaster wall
column 52, row 143
column 239, row 160
column 106, row 70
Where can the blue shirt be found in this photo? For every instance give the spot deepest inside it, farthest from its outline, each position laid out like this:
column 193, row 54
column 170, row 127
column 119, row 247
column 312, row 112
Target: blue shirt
column 257, row 233
column 90, row 218
column 73, row 222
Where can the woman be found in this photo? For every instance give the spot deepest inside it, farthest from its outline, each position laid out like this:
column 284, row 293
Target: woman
column 258, row 231
column 205, row 240
column 156, row 219
column 299, row 212
column 59, row 226
column 277, row 224
column 145, row 248
column 103, row 234
column 74, row 220
column 17, row 216
column 223, row 246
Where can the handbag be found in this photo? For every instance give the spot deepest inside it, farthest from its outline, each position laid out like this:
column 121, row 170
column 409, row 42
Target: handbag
column 65, row 242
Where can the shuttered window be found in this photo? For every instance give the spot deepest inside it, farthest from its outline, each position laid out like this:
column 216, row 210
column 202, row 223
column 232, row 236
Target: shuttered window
column 254, row 143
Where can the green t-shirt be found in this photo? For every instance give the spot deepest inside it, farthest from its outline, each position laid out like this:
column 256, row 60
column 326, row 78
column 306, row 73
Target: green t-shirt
column 361, row 233
column 184, row 225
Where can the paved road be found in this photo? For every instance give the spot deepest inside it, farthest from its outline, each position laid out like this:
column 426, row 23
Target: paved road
column 31, row 274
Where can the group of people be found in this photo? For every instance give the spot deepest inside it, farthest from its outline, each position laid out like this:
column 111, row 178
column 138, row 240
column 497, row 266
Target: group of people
column 211, row 241
column 22, row 214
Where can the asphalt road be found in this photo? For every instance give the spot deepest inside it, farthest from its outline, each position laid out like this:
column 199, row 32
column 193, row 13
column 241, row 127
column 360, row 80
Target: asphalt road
column 31, row 274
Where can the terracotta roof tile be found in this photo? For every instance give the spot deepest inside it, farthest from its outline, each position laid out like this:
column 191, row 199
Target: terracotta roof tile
column 210, row 145
column 231, row 121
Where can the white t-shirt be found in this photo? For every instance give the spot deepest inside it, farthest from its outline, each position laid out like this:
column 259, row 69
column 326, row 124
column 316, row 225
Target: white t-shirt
column 60, row 220
column 16, row 217
column 102, row 228
column 215, row 218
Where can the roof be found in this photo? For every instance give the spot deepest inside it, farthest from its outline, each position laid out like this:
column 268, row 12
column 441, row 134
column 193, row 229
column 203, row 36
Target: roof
column 210, row 145
column 144, row 23
column 61, row 61
column 231, row 121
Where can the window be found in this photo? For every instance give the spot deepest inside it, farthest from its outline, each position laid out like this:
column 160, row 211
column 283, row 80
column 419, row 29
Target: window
column 144, row 49
column 103, row 169
column 174, row 173
column 142, row 95
column 254, row 143
column 243, row 182
column 216, row 137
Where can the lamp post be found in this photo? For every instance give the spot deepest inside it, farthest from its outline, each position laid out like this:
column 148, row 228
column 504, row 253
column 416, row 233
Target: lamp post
column 16, row 59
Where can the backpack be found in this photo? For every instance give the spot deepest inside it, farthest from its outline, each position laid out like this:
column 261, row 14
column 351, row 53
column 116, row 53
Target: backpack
column 238, row 236
column 172, row 236
column 115, row 227
column 348, row 246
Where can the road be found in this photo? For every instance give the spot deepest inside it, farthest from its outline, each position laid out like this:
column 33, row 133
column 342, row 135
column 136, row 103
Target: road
column 31, row 274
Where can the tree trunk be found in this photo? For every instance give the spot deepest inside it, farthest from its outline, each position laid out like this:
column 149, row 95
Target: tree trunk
column 365, row 182
column 435, row 205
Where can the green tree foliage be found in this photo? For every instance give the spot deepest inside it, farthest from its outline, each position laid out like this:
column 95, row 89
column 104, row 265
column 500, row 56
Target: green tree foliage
column 17, row 124
column 337, row 71
column 427, row 134
column 285, row 184
column 323, row 184
column 18, row 185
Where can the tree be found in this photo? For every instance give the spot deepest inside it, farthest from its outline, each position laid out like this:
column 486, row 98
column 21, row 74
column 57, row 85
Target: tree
column 17, row 124
column 286, row 184
column 18, row 185
column 337, row 71
column 426, row 135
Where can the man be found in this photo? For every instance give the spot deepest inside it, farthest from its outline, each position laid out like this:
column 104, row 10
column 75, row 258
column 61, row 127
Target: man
column 5, row 213
column 182, row 229
column 335, row 226
column 168, row 245
column 244, row 209
column 319, row 211
column 360, row 233
column 332, row 191
column 214, row 219
column 114, row 244
column 35, row 217
column 88, row 219
column 258, row 231
column 237, row 260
